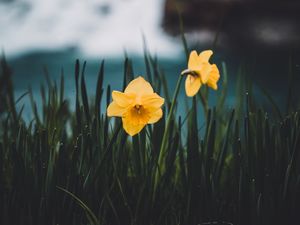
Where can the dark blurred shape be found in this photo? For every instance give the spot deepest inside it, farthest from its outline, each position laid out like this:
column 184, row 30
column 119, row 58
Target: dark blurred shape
column 104, row 9
column 22, row 8
column 242, row 23
column 5, row 84
column 7, row 1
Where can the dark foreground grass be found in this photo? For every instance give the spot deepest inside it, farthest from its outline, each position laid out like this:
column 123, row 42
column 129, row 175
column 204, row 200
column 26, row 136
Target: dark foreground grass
column 80, row 167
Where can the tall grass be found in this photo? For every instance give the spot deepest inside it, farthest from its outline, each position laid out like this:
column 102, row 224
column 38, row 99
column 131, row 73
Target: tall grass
column 80, row 167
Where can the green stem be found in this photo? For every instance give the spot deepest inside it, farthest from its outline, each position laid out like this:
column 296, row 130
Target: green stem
column 160, row 165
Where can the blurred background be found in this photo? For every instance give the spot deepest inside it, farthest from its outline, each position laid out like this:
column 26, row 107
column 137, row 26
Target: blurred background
column 263, row 37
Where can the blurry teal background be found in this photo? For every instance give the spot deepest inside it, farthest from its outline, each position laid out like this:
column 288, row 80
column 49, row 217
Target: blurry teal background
column 261, row 36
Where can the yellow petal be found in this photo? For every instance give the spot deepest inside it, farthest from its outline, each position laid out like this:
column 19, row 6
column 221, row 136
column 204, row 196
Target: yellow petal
column 204, row 72
column 123, row 99
column 205, row 55
column 152, row 101
column 214, row 77
column 194, row 63
column 115, row 110
column 156, row 116
column 192, row 85
column 139, row 86
column 130, row 128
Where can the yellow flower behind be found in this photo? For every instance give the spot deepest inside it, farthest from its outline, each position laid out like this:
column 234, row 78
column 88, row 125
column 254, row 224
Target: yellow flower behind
column 199, row 72
column 138, row 106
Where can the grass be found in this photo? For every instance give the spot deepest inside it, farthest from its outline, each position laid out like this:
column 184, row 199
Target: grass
column 80, row 167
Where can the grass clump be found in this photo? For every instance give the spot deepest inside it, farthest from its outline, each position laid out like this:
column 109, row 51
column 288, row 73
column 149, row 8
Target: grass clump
column 80, row 167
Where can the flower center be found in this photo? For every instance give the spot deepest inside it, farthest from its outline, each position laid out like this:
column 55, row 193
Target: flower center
column 138, row 109
column 138, row 115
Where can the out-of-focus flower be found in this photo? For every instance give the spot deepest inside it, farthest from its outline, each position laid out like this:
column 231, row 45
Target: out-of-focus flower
column 199, row 72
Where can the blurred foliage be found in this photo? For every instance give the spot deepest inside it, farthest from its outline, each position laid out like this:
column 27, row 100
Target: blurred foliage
column 4, row 84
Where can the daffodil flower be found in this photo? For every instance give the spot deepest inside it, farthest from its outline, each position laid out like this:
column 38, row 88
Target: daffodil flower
column 138, row 106
column 199, row 72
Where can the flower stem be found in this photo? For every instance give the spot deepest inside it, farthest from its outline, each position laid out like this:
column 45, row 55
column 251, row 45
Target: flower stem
column 160, row 165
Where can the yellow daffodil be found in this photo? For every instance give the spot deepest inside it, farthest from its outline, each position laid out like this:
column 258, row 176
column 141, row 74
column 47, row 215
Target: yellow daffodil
column 138, row 106
column 199, row 72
